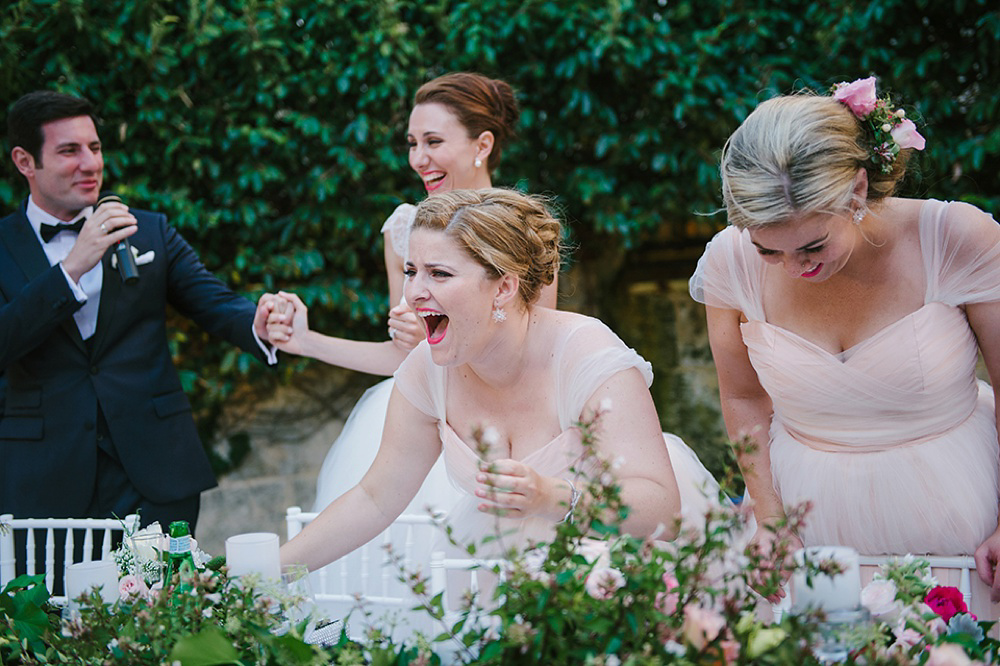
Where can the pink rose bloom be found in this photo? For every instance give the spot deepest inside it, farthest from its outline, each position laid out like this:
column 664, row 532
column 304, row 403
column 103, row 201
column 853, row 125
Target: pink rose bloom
column 603, row 582
column 859, row 96
column 906, row 637
column 905, row 135
column 701, row 626
column 131, row 588
column 947, row 654
column 666, row 602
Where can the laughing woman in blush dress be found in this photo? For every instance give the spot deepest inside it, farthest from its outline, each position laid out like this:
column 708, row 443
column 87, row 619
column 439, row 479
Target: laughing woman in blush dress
column 477, row 263
column 845, row 325
column 457, row 130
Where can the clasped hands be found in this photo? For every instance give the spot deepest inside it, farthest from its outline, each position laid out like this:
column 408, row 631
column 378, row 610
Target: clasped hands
column 283, row 320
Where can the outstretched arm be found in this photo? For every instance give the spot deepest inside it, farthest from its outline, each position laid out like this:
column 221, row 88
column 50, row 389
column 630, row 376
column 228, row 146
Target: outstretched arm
column 288, row 330
column 409, row 447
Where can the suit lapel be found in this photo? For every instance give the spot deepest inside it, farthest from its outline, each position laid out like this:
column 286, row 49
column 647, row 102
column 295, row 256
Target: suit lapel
column 24, row 247
column 29, row 256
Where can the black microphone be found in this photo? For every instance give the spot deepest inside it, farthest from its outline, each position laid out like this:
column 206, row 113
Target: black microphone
column 123, row 249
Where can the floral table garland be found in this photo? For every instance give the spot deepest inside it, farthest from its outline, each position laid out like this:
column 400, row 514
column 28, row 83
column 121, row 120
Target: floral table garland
column 627, row 601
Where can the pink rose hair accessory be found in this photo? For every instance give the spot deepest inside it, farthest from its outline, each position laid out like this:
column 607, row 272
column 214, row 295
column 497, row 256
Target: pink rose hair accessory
column 887, row 131
column 858, row 96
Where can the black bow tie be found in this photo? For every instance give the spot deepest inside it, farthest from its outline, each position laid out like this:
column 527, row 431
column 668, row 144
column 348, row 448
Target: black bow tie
column 49, row 231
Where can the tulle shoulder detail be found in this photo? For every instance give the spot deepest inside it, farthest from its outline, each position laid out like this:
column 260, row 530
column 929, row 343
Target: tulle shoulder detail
column 422, row 382
column 729, row 274
column 587, row 354
column 961, row 251
column 398, row 225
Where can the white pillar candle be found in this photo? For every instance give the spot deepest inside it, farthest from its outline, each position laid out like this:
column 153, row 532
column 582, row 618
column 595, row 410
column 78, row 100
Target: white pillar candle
column 256, row 552
column 841, row 591
column 83, row 576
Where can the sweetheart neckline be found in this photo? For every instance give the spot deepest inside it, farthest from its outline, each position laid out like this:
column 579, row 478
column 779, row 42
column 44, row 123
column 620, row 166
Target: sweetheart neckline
column 853, row 348
column 472, row 452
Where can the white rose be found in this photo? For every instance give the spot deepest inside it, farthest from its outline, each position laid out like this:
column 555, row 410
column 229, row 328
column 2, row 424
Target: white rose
column 603, row 582
column 879, row 597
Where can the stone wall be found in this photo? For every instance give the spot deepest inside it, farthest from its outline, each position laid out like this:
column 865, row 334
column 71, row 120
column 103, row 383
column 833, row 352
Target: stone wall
column 290, row 433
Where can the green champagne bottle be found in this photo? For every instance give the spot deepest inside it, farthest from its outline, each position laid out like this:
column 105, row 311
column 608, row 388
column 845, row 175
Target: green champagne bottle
column 180, row 548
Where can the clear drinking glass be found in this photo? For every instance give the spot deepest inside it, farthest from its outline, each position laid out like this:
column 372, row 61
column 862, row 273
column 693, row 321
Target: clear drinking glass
column 298, row 587
column 148, row 556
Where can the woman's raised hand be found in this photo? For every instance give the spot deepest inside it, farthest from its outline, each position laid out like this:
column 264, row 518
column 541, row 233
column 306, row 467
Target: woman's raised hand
column 405, row 328
column 511, row 488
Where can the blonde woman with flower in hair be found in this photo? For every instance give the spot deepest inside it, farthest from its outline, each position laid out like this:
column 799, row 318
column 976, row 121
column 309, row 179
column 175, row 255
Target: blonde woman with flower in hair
column 845, row 325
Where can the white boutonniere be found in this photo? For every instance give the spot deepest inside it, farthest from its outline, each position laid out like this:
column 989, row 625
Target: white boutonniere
column 140, row 259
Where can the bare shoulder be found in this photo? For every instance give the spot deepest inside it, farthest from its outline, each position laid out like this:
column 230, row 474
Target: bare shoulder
column 555, row 328
column 562, row 320
column 902, row 216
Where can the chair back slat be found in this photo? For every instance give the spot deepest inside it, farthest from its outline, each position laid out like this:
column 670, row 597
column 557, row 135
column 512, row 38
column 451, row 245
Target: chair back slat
column 51, row 531
column 944, row 567
column 367, row 575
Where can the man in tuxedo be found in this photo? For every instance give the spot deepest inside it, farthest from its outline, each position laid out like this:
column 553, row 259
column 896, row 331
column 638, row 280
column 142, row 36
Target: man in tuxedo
column 94, row 420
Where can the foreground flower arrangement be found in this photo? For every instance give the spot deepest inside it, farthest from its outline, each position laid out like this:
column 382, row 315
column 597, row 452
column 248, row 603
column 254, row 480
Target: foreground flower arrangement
column 201, row 617
column 919, row 621
column 592, row 596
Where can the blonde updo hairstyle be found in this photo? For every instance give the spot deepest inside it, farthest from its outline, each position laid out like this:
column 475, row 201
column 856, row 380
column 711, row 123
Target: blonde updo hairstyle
column 480, row 103
column 505, row 231
column 796, row 156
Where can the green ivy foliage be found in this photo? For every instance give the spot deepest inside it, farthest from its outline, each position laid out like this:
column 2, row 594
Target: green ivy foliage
column 271, row 131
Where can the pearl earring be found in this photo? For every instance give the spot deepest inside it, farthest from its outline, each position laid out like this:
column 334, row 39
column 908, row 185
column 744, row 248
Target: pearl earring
column 499, row 315
column 478, row 163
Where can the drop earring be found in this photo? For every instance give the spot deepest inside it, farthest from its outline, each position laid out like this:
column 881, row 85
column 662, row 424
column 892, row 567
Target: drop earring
column 858, row 216
column 478, row 163
column 499, row 315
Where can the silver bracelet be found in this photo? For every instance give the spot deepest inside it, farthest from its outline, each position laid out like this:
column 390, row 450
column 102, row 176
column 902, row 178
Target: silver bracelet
column 575, row 497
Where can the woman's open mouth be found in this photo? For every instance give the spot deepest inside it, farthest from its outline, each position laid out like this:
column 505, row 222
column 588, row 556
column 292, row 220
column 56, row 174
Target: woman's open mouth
column 434, row 182
column 436, row 325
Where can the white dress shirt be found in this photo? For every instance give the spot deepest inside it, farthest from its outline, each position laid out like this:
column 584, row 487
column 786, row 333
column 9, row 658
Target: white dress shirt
column 88, row 291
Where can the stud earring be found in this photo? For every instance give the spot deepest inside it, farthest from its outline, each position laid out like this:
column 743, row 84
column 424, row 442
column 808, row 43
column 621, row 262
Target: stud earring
column 858, row 216
column 478, row 163
column 499, row 315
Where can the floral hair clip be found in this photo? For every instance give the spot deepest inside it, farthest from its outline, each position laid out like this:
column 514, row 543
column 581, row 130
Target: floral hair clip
column 890, row 131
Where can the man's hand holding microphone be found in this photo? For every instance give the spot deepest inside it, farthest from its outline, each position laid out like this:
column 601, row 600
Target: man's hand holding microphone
column 109, row 225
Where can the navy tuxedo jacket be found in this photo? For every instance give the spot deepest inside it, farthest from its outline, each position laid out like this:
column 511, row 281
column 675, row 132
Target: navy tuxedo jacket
column 55, row 382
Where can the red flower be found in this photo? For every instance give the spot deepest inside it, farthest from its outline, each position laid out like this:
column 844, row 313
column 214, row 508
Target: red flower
column 946, row 601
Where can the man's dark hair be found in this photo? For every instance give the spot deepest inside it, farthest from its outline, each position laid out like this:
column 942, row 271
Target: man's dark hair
column 28, row 114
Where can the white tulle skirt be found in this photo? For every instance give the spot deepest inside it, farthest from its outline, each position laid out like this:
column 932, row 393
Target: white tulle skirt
column 354, row 451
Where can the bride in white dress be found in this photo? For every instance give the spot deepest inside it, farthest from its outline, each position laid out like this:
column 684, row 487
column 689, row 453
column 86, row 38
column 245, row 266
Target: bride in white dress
column 457, row 129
